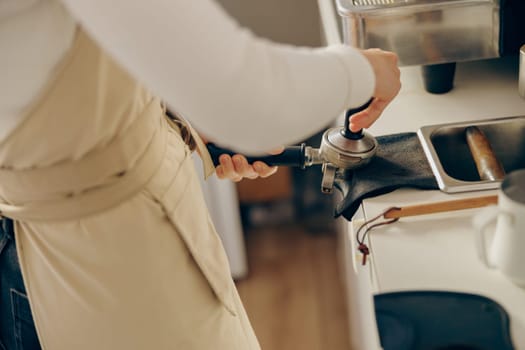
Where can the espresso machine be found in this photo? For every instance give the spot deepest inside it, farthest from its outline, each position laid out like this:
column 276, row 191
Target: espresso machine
column 435, row 34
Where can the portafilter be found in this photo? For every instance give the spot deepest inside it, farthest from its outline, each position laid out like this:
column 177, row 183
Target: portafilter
column 340, row 151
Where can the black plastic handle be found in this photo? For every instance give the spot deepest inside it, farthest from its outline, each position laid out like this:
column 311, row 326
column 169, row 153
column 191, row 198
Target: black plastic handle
column 349, row 134
column 291, row 156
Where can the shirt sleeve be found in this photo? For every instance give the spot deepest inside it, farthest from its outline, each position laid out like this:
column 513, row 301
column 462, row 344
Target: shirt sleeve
column 241, row 91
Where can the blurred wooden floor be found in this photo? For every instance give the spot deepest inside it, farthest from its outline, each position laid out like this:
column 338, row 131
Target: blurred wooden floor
column 294, row 294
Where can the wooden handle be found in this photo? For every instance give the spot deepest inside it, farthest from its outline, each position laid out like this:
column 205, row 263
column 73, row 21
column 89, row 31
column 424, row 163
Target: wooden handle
column 489, row 168
column 439, row 207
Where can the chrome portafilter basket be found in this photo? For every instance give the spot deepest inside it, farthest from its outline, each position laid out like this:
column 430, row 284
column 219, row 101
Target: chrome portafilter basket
column 341, row 150
column 341, row 154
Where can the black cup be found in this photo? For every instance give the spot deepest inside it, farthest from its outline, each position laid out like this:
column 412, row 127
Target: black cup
column 439, row 78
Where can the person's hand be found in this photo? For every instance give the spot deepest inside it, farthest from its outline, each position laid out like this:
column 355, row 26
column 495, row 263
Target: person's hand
column 388, row 84
column 236, row 168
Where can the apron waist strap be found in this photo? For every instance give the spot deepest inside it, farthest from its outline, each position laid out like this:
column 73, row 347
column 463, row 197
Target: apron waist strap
column 99, row 181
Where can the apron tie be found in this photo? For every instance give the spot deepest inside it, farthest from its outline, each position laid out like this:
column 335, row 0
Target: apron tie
column 192, row 139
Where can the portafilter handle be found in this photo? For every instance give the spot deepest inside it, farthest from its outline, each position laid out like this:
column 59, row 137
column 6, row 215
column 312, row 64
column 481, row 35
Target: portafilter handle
column 295, row 156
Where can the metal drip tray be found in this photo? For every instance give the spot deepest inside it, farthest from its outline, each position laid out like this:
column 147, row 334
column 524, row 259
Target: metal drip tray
column 451, row 160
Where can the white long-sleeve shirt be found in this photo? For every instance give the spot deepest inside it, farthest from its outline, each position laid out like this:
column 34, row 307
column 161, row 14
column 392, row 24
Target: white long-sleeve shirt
column 239, row 90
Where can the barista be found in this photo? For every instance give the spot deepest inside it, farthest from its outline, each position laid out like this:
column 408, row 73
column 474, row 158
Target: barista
column 114, row 240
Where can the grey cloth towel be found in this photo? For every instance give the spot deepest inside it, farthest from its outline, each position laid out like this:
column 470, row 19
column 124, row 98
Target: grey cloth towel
column 399, row 162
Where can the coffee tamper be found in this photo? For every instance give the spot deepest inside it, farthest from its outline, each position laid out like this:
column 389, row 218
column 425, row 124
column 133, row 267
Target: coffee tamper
column 343, row 150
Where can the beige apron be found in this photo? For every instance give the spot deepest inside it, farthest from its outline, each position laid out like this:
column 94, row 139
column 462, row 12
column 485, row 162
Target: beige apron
column 115, row 242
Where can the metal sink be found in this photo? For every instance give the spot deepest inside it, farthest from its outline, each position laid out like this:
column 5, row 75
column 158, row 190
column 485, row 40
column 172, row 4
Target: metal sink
column 451, row 161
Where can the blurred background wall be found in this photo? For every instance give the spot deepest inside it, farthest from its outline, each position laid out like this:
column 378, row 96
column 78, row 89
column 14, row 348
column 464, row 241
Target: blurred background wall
column 287, row 21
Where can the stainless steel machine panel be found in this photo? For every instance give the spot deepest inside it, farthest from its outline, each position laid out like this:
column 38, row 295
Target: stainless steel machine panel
column 423, row 32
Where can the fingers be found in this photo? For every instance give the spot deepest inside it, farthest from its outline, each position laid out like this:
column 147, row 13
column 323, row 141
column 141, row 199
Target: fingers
column 263, row 169
column 236, row 168
column 367, row 117
column 388, row 85
column 277, row 150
